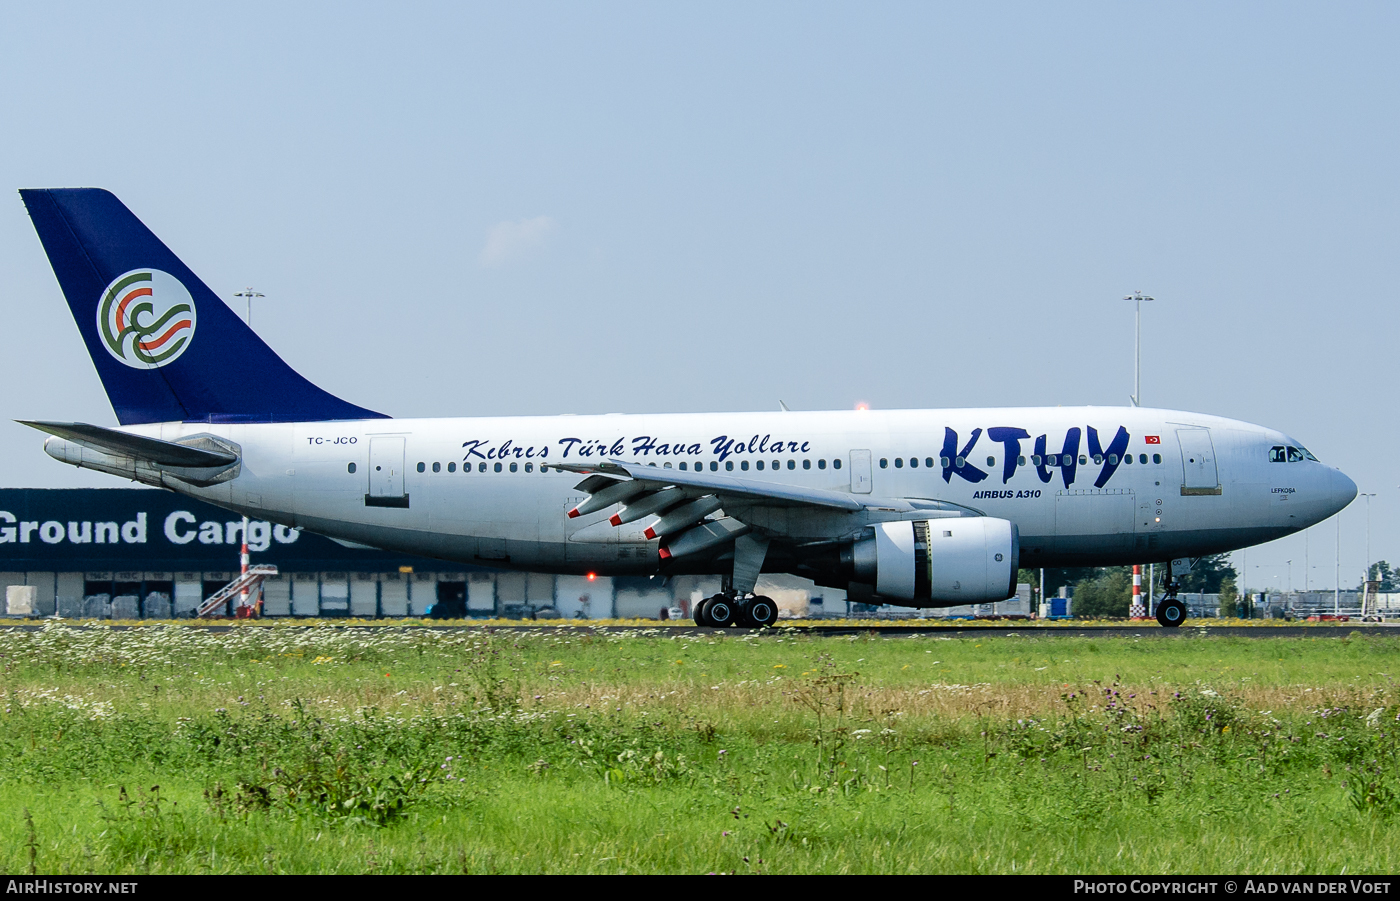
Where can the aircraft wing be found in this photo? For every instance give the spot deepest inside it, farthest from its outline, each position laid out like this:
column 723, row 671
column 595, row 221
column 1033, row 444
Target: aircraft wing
column 686, row 502
column 615, row 470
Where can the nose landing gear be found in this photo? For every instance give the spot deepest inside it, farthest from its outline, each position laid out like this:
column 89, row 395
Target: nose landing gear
column 1170, row 611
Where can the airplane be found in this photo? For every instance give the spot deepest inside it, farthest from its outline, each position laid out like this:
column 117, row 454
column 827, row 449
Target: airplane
column 921, row 508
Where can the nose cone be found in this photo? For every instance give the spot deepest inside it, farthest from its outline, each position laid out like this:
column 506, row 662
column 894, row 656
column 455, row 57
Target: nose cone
column 1343, row 491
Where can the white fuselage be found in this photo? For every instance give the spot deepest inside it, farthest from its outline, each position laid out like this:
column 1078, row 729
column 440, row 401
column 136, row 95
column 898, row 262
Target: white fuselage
column 482, row 490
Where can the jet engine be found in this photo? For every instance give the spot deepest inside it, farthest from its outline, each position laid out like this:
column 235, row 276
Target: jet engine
column 937, row 562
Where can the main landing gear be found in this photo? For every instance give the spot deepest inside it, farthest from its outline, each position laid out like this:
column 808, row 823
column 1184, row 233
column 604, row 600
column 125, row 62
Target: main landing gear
column 722, row 611
column 736, row 604
column 1170, row 611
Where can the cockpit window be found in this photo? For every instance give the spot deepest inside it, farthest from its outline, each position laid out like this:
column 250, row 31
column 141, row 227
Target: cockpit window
column 1308, row 454
column 1295, row 455
column 1277, row 454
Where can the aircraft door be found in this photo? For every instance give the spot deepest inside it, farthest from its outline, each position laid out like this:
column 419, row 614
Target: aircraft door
column 386, row 472
column 860, row 472
column 1199, row 474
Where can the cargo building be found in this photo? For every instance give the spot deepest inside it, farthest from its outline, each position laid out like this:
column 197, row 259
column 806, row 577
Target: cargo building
column 145, row 553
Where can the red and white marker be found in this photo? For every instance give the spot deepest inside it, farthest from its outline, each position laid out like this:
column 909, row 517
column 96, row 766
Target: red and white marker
column 1137, row 610
column 243, row 559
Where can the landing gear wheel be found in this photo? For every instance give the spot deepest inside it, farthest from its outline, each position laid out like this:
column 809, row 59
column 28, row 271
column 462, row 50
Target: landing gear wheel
column 721, row 611
column 702, row 613
column 1171, row 613
column 760, row 612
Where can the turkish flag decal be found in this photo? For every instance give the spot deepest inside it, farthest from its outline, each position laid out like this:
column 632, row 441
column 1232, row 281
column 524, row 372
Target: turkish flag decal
column 1152, row 439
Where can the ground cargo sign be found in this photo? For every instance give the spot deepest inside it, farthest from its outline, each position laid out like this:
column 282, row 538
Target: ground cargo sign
column 78, row 529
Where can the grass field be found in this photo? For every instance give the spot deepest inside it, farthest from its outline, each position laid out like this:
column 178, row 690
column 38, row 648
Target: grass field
column 323, row 749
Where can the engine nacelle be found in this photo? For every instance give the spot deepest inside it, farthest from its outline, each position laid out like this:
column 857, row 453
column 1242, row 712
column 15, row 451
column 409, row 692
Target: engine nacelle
column 939, row 562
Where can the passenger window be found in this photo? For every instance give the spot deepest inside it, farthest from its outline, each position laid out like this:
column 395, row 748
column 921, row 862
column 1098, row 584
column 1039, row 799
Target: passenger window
column 1156, row 458
column 1295, row 455
column 714, row 466
column 482, row 467
column 1277, row 454
column 913, row 462
column 759, row 464
column 683, row 466
column 512, row 467
column 1112, row 459
column 421, row 467
column 792, row 464
column 945, row 462
column 1142, row 458
column 666, row 465
column 437, row 467
column 777, row 464
column 451, row 467
column 530, row 467
column 821, row 464
column 836, row 464
column 744, row 465
column 350, row 468
column 991, row 461
column 1127, row 458
column 884, row 464
column 729, row 465
column 959, row 462
column 898, row 462
column 928, row 461
column 498, row 467
column 1020, row 461
column 699, row 465
column 806, row 464
column 1036, row 459
column 1098, row 458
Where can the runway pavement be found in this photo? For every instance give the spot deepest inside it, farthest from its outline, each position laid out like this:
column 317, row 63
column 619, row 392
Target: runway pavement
column 1192, row 628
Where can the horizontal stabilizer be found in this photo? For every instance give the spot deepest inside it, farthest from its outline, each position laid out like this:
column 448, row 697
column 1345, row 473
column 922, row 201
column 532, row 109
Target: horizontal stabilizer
column 138, row 447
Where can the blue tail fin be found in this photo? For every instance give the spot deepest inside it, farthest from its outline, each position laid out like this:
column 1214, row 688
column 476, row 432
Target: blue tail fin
column 166, row 347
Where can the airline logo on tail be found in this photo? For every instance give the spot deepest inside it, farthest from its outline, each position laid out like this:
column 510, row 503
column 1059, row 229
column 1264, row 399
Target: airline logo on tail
column 146, row 318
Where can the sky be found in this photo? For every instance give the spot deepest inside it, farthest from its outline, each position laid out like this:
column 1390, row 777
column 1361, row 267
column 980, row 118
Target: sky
column 466, row 209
